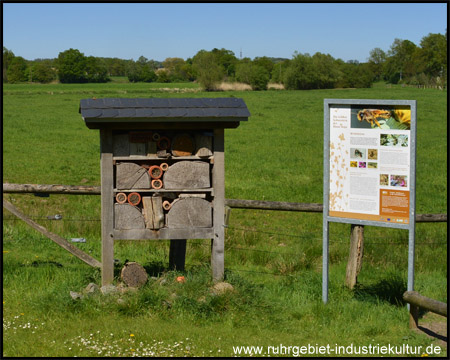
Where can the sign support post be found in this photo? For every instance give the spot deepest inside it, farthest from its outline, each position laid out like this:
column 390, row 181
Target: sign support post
column 369, row 169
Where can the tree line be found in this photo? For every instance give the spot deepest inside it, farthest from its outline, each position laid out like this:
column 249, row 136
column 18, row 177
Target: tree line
column 405, row 63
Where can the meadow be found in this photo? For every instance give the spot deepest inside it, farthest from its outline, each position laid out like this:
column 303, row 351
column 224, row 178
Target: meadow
column 273, row 259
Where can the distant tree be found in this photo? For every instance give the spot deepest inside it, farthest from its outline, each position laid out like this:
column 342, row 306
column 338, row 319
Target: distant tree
column 255, row 75
column 163, row 76
column 227, row 60
column 17, row 70
column 175, row 68
column 401, row 61
column 8, row 56
column 208, row 72
column 43, row 72
column 96, row 71
column 278, row 71
column 300, row 73
column 72, row 66
column 265, row 62
column 141, row 70
column 376, row 62
column 434, row 54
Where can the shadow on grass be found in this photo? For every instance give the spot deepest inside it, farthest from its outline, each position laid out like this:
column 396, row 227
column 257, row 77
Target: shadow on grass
column 386, row 290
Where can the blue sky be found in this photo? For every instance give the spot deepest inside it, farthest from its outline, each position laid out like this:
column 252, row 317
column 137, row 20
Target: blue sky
column 348, row 31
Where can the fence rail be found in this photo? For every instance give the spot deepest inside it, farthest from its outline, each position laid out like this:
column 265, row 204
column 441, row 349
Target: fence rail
column 232, row 203
column 417, row 301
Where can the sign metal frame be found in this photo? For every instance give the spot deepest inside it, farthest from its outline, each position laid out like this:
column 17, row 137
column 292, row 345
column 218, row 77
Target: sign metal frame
column 410, row 226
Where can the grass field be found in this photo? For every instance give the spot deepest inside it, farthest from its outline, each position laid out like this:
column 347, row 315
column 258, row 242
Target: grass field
column 273, row 259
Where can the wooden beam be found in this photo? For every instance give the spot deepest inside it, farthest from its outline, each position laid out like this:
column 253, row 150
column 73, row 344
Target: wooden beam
column 414, row 298
column 232, row 203
column 273, row 205
column 107, row 201
column 177, row 254
column 56, row 238
column 52, row 189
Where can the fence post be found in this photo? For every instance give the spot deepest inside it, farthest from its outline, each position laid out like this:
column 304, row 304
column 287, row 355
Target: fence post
column 355, row 257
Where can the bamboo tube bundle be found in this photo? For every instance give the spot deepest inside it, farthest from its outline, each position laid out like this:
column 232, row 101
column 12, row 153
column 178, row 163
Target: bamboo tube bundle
column 134, row 198
column 121, row 198
column 166, row 205
column 155, row 171
column 157, row 184
column 164, row 166
column 156, row 136
column 163, row 143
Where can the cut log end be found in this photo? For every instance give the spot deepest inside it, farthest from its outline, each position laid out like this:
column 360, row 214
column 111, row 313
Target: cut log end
column 134, row 275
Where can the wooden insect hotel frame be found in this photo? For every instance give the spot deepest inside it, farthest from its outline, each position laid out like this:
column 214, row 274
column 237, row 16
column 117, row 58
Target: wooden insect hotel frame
column 162, row 172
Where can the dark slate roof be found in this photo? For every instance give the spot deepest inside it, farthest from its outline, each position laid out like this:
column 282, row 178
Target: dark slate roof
column 150, row 110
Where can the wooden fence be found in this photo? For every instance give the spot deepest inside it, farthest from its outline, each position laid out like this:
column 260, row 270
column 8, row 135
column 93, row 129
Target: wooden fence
column 417, row 301
column 356, row 233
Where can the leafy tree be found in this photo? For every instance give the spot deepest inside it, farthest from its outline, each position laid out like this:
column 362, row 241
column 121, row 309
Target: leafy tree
column 96, row 70
column 141, row 70
column 208, row 71
column 253, row 74
column 72, row 66
column 43, row 72
column 176, row 69
column 17, row 70
column 377, row 59
column 400, row 62
column 227, row 60
column 278, row 71
column 264, row 62
column 163, row 76
column 434, row 54
column 300, row 74
column 8, row 56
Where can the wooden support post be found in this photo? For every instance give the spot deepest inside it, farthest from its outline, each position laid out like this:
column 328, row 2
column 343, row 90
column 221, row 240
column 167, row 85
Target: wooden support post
column 218, row 177
column 177, row 254
column 356, row 253
column 413, row 316
column 107, row 201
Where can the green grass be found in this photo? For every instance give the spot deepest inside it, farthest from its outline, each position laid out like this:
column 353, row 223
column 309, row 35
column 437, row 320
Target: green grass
column 273, row 259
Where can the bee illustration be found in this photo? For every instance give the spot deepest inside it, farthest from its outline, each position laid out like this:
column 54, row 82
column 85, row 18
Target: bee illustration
column 371, row 116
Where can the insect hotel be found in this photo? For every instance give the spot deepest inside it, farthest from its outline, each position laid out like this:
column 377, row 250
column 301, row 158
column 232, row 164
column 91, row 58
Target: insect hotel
column 162, row 172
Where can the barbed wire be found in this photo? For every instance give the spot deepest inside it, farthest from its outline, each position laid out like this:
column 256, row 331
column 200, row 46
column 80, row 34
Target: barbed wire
column 367, row 240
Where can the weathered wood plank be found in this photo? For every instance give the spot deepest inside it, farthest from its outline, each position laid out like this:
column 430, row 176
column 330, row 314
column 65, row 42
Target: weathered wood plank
column 153, row 212
column 107, row 202
column 163, row 234
column 121, row 145
column 56, row 238
column 233, row 203
column 187, row 175
column 218, row 178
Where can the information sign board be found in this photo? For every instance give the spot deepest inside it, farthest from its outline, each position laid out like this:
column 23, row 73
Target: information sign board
column 369, row 165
